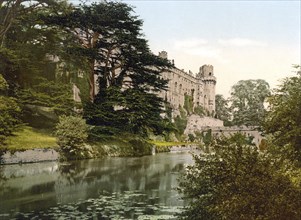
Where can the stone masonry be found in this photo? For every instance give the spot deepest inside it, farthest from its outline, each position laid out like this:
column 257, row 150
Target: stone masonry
column 200, row 86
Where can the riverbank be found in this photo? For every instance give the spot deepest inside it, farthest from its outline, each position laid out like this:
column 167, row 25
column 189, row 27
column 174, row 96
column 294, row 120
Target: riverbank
column 102, row 150
column 29, row 156
column 29, row 145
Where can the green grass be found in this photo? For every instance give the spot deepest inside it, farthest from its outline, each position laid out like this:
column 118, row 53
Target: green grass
column 168, row 144
column 28, row 138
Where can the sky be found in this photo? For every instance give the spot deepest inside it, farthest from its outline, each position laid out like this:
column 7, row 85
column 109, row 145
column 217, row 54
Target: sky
column 241, row 39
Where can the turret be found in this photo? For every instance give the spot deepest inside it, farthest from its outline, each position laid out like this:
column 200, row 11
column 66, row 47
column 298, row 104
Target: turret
column 163, row 54
column 206, row 70
column 206, row 74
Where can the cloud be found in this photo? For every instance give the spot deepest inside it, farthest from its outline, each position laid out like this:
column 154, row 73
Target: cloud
column 241, row 42
column 206, row 51
column 197, row 47
column 189, row 43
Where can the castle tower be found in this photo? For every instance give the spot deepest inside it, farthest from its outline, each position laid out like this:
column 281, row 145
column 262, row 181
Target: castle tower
column 209, row 81
column 163, row 54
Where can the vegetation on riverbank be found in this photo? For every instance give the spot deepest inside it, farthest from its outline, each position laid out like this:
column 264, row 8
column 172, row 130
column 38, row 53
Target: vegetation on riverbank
column 46, row 47
column 37, row 84
column 235, row 179
column 26, row 138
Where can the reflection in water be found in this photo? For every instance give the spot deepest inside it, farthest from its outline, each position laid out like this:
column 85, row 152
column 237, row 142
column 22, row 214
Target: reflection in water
column 128, row 187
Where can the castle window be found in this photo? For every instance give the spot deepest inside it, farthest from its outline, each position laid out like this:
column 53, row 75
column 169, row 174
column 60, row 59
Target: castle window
column 192, row 92
column 210, row 74
column 176, row 86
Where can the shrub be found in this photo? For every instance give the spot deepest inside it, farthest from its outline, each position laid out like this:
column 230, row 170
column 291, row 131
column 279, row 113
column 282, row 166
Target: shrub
column 188, row 104
column 191, row 137
column 236, row 181
column 72, row 132
column 199, row 110
column 9, row 112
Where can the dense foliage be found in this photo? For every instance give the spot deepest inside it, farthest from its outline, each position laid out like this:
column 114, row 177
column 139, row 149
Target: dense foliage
column 247, row 101
column 222, row 110
column 30, row 54
column 128, row 74
column 9, row 112
column 46, row 46
column 72, row 132
column 55, row 95
column 283, row 120
column 28, row 45
column 236, row 181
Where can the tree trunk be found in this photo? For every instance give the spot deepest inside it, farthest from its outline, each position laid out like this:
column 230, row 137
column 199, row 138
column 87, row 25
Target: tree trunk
column 91, row 82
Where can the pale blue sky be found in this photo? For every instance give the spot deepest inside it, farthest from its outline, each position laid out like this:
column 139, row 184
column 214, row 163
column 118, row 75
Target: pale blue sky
column 241, row 39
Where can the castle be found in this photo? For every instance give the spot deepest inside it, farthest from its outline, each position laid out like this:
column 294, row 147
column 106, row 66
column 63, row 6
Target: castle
column 201, row 87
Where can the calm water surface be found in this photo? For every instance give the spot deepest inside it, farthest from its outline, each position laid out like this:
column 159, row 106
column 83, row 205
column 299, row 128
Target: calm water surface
column 110, row 188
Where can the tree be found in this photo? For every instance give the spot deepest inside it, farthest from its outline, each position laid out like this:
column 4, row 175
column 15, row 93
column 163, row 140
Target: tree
column 27, row 42
column 46, row 93
column 12, row 11
column 128, row 74
column 72, row 132
column 30, row 52
column 110, row 39
column 222, row 111
column 247, row 101
column 9, row 112
column 235, row 181
column 283, row 119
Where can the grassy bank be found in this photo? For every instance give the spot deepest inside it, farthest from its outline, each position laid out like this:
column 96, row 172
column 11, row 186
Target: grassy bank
column 29, row 138
column 164, row 146
column 121, row 145
column 168, row 144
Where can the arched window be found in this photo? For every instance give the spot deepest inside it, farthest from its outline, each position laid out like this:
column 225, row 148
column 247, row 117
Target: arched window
column 176, row 86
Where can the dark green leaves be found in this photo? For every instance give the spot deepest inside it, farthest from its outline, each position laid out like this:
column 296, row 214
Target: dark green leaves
column 284, row 114
column 236, row 181
column 247, row 101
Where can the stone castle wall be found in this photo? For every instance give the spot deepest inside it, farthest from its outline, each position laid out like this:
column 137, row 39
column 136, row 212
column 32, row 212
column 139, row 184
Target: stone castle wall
column 197, row 123
column 200, row 86
column 248, row 131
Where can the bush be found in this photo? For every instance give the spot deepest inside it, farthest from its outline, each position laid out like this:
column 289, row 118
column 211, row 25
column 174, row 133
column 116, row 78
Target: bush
column 238, row 182
column 199, row 110
column 72, row 132
column 9, row 112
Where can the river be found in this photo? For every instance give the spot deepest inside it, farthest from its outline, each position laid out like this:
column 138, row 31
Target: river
column 106, row 188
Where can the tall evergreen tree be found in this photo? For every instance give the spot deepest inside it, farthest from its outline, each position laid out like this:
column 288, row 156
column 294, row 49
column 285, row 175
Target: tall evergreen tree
column 27, row 42
column 29, row 53
column 127, row 73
